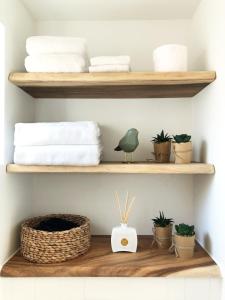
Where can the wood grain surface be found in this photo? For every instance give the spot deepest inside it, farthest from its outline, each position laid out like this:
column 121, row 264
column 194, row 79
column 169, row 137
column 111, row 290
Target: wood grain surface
column 118, row 168
column 113, row 85
column 101, row 262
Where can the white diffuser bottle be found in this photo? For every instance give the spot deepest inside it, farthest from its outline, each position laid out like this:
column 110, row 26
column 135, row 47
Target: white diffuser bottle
column 124, row 238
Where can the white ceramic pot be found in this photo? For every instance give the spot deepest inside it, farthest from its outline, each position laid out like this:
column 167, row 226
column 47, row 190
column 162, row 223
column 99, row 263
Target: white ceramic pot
column 170, row 58
column 124, row 238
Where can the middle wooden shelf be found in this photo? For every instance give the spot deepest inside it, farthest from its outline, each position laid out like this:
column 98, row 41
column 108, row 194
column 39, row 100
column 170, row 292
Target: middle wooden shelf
column 118, row 168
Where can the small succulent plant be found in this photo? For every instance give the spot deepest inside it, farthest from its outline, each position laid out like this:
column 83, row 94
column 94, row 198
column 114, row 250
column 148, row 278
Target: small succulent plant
column 182, row 138
column 161, row 138
column 185, row 230
column 162, row 221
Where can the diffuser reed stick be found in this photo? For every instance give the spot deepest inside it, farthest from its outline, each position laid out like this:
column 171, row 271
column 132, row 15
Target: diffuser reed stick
column 129, row 210
column 118, row 203
column 124, row 215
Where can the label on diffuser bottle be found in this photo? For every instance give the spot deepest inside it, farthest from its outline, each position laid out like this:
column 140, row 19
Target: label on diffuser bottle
column 124, row 242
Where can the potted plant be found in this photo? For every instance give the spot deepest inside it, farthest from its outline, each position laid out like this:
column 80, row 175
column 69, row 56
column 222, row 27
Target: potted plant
column 184, row 240
column 162, row 147
column 182, row 148
column 162, row 231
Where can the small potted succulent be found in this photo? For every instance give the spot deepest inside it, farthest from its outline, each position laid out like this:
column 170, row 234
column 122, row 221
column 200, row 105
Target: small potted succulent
column 162, row 231
column 182, row 148
column 184, row 240
column 162, row 147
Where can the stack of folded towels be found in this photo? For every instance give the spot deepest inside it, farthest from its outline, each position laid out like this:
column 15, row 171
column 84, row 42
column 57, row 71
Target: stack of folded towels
column 110, row 64
column 63, row 143
column 56, row 54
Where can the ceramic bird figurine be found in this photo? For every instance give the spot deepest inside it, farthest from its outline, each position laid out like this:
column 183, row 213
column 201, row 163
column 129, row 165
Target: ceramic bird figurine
column 128, row 143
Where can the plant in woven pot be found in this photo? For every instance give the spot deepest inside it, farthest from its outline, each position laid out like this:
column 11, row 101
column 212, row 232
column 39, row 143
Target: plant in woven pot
column 184, row 240
column 162, row 231
column 162, row 147
column 182, row 148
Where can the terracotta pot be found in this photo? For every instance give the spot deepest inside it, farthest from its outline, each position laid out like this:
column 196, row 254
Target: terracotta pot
column 163, row 236
column 184, row 245
column 182, row 153
column 162, row 152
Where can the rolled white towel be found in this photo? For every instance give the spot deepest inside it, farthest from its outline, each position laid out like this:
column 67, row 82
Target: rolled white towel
column 56, row 63
column 170, row 58
column 59, row 133
column 109, row 68
column 79, row 155
column 56, row 45
column 110, row 60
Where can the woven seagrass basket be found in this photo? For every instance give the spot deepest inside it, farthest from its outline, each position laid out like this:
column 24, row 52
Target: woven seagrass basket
column 52, row 247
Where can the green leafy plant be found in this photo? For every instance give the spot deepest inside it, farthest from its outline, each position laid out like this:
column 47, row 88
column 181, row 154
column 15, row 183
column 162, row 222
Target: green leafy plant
column 162, row 221
column 161, row 138
column 185, row 230
column 182, row 138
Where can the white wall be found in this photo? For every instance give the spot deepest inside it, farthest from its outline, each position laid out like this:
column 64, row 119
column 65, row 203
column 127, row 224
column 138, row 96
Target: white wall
column 2, row 90
column 92, row 195
column 208, row 123
column 111, row 289
column 15, row 201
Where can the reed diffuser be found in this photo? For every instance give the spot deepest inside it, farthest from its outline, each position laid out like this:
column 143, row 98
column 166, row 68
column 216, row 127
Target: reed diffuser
column 124, row 238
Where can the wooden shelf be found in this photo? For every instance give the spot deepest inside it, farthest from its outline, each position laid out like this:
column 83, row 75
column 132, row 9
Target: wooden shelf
column 113, row 85
column 101, row 262
column 119, row 168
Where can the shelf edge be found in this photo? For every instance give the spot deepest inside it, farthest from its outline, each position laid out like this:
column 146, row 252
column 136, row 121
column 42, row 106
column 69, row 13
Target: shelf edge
column 118, row 168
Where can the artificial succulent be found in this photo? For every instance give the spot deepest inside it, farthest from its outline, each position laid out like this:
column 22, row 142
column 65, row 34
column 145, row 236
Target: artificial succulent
column 185, row 230
column 162, row 221
column 182, row 138
column 161, row 138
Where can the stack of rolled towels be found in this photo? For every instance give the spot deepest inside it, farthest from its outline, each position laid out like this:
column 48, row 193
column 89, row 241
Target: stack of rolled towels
column 61, row 143
column 56, row 54
column 110, row 64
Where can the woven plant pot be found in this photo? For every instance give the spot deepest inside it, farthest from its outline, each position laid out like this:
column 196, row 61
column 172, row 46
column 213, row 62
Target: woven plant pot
column 182, row 153
column 163, row 236
column 162, row 152
column 51, row 247
column 184, row 246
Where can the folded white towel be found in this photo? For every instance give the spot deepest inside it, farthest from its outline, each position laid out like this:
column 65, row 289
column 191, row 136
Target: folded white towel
column 55, row 63
column 109, row 68
column 56, row 45
column 59, row 133
column 110, row 60
column 78, row 155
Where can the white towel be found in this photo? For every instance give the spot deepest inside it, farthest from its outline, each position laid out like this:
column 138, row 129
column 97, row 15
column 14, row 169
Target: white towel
column 55, row 45
column 59, row 133
column 109, row 68
column 78, row 155
column 110, row 60
column 55, row 63
column 170, row 58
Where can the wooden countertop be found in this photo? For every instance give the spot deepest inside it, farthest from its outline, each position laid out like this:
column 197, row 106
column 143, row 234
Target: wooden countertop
column 101, row 262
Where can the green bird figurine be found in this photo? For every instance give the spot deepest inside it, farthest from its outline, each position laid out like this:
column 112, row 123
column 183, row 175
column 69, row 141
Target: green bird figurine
column 128, row 143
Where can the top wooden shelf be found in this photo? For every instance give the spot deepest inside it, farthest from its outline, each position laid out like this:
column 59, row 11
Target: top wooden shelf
column 113, row 85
